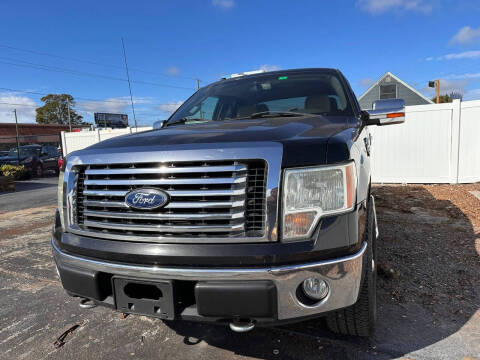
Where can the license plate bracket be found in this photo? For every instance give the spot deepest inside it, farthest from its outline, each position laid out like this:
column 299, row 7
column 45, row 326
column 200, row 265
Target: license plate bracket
column 144, row 297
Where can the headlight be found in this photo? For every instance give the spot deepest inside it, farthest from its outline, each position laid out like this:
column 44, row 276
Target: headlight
column 312, row 192
column 60, row 196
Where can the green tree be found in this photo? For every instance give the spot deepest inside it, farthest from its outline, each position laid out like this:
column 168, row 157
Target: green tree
column 442, row 99
column 55, row 110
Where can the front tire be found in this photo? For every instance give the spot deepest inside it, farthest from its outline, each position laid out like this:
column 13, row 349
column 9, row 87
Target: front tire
column 360, row 318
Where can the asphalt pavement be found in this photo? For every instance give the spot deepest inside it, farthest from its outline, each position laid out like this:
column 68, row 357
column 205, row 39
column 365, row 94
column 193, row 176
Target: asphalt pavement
column 29, row 194
column 36, row 311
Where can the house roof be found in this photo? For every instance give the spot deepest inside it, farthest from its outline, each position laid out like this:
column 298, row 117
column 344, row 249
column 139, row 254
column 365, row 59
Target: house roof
column 388, row 73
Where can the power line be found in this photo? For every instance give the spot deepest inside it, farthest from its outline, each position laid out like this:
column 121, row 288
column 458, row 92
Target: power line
column 93, row 62
column 79, row 98
column 27, row 64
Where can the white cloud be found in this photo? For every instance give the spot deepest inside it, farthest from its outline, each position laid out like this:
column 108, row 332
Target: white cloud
column 110, row 105
column 173, row 71
column 267, row 67
column 170, row 107
column 472, row 54
column 473, row 94
column 366, row 82
column 467, row 76
column 466, row 35
column 224, row 4
column 24, row 105
column 376, row 7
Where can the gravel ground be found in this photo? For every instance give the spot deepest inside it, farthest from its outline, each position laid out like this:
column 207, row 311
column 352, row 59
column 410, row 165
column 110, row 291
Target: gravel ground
column 428, row 296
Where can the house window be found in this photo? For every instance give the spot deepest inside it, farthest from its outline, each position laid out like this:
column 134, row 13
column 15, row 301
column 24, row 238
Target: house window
column 388, row 91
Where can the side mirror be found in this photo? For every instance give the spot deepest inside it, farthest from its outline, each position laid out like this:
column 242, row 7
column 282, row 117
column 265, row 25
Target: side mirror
column 159, row 124
column 386, row 112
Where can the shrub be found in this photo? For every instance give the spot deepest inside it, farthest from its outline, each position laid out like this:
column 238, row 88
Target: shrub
column 16, row 171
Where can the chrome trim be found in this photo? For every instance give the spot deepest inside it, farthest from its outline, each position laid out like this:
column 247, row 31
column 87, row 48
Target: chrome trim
column 199, row 181
column 164, row 228
column 270, row 152
column 173, row 205
column 172, row 193
column 343, row 276
column 167, row 170
column 163, row 216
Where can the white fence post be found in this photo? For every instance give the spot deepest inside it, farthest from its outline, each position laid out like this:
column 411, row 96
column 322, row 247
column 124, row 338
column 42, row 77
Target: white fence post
column 455, row 141
column 64, row 144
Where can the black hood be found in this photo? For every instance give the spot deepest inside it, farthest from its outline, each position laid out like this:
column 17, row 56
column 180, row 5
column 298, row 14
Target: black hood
column 306, row 136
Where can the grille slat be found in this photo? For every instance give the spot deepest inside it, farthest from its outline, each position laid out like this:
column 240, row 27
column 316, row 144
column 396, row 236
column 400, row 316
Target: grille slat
column 167, row 170
column 197, row 181
column 192, row 193
column 208, row 200
column 165, row 228
column 163, row 216
column 172, row 205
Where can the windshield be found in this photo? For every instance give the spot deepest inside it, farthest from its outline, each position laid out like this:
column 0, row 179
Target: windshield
column 24, row 152
column 306, row 93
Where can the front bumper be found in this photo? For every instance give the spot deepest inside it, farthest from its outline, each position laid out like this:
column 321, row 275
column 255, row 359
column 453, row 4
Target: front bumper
column 92, row 279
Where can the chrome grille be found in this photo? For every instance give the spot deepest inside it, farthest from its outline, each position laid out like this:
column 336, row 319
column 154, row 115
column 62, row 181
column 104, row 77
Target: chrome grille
column 221, row 199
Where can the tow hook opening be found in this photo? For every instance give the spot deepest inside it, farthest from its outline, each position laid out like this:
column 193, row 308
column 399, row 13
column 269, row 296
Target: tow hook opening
column 87, row 303
column 242, row 326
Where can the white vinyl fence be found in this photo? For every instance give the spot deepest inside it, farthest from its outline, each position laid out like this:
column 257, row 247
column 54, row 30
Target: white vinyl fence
column 436, row 144
column 73, row 141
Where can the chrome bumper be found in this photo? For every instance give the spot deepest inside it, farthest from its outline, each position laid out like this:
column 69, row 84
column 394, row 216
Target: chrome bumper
column 343, row 276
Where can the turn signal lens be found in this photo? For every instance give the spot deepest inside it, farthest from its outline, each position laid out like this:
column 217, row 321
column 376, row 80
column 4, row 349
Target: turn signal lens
column 395, row 115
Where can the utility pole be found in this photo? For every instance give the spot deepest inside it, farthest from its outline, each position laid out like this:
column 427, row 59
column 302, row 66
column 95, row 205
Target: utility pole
column 438, row 90
column 129, row 85
column 18, row 141
column 68, row 112
column 198, row 84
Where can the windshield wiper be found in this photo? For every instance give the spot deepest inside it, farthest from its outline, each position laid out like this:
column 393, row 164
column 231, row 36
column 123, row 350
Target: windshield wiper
column 183, row 121
column 273, row 114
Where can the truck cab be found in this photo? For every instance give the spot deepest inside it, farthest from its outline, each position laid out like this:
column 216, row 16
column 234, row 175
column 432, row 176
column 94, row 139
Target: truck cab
column 250, row 206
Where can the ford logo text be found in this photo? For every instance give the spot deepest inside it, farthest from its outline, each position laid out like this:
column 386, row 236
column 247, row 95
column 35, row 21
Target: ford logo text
column 146, row 199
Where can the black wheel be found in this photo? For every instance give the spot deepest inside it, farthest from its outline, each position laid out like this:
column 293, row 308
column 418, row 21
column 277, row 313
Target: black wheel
column 360, row 318
column 38, row 171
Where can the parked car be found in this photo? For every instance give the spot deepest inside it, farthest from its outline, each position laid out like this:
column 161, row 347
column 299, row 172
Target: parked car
column 3, row 153
column 37, row 159
column 250, row 206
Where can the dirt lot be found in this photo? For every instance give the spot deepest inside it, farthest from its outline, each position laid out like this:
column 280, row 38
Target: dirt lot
column 429, row 295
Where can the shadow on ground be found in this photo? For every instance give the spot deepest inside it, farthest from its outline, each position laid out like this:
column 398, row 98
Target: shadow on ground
column 429, row 289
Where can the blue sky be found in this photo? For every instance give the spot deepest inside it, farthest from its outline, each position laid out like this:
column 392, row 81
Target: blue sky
column 75, row 47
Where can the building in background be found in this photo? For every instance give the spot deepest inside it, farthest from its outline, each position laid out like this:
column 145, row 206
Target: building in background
column 32, row 134
column 108, row 120
column 390, row 86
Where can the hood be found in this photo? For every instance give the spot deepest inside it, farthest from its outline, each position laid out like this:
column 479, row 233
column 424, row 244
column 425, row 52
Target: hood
column 299, row 135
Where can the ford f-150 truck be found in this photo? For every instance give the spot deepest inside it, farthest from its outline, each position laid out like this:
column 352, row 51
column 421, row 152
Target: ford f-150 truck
column 250, row 206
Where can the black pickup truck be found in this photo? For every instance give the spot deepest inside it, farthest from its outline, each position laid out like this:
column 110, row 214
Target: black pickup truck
column 249, row 206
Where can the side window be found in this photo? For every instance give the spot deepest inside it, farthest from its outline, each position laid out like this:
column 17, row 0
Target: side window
column 205, row 110
column 388, row 91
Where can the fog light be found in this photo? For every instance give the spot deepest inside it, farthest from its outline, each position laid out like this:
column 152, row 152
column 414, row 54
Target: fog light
column 315, row 289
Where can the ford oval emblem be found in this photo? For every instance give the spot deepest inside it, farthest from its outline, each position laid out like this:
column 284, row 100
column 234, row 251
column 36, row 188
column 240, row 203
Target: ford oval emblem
column 146, row 199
